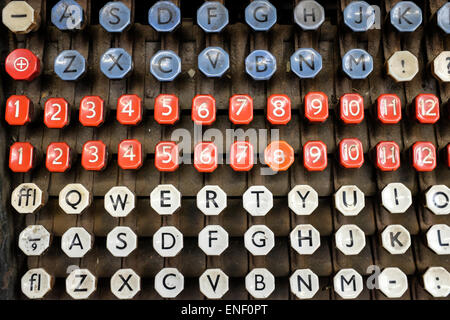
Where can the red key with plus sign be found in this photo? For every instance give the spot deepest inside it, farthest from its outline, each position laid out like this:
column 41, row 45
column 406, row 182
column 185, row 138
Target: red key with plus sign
column 22, row 64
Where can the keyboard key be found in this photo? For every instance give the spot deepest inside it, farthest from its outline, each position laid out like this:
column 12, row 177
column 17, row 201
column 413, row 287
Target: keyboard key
column 427, row 108
column 125, row 284
column 443, row 18
column 387, row 156
column 406, row 16
column 396, row 239
column 389, row 108
column 130, row 155
column 348, row 283
column 350, row 239
column 352, row 108
column 448, row 155
column 257, row 200
column 351, row 154
column 260, row 65
column 80, row 284
column 402, row 66
column 241, row 156
column 19, row 110
column 315, row 156
column 59, row 157
column 438, row 239
column 166, row 156
column 164, row 16
column 22, row 64
column 306, row 63
column 309, row 15
column 169, row 282
column 349, row 200
column 121, row 241
column 129, row 109
column 437, row 282
column 119, row 201
column 203, row 109
column 34, row 240
column 214, row 283
column 304, row 283
column 27, row 198
column 241, row 109
column 68, row 15
column 56, row 113
column 305, row 239
column 94, row 156
column 213, row 240
column 115, row 16
column 279, row 155
column 357, row 64
column 76, row 242
column 116, row 64
column 74, row 198
column 213, row 62
column 424, row 156
column 393, row 282
column 437, row 199
column 168, row 241
column 303, row 200
column 22, row 157
column 92, row 111
column 316, row 106
column 205, row 157
column 211, row 200
column 36, row 283
column 165, row 65
column 167, row 110
column 439, row 66
column 212, row 16
column 19, row 17
column 259, row 240
column 359, row 16
column 260, row 15
column 396, row 197
column 165, row 199
column 278, row 109
column 260, row 283
column 70, row 65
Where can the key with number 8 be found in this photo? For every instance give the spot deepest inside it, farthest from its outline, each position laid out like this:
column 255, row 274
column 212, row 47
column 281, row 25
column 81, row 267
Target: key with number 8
column 278, row 109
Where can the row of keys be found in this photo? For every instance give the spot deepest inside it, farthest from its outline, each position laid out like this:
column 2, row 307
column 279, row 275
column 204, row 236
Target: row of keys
column 92, row 111
column 165, row 65
column 165, row 199
column 214, row 283
column 212, row 16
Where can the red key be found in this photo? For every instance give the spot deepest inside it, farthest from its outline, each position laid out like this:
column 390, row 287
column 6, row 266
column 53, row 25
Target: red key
column 19, row 110
column 389, row 108
column 205, row 157
column 22, row 64
column 241, row 109
column 58, row 157
column 352, row 108
column 279, row 155
column 427, row 108
column 278, row 109
column 21, row 157
column 315, row 156
column 241, row 156
column 166, row 156
column 203, row 109
column 424, row 156
column 94, row 156
column 56, row 113
column 129, row 155
column 448, row 155
column 388, row 156
column 316, row 107
column 92, row 111
column 129, row 109
column 167, row 109
column 351, row 153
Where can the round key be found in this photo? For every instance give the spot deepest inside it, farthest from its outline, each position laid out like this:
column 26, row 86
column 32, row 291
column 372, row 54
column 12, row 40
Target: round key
column 241, row 156
column 389, row 108
column 213, row 62
column 393, row 282
column 165, row 65
column 165, row 199
column 115, row 16
column 279, row 155
column 80, row 284
column 437, row 199
column 167, row 110
column 260, row 15
column 212, row 16
column 260, row 283
column 19, row 17
column 402, row 66
column 260, row 65
column 350, row 239
column 303, row 200
column 315, row 156
column 259, row 240
column 68, row 15
column 211, row 200
column 56, row 113
column 424, row 156
column 22, row 64
column 129, row 109
column 121, row 241
column 349, row 200
column 427, row 108
column 130, row 154
column 27, row 198
column 304, row 283
column 94, row 156
column 348, row 283
column 70, row 65
column 305, row 239
column 396, row 239
column 306, row 63
column 352, row 108
column 440, row 65
column 351, row 154
column 92, row 111
column 169, row 282
column 205, row 157
column 257, row 200
column 278, row 109
column 357, row 64
column 168, row 241
column 443, row 18
column 387, row 156
column 241, row 109
column 396, row 197
column 309, row 15
column 76, row 242
column 125, row 284
column 406, row 16
column 436, row 281
column 166, row 156
column 34, row 240
column 58, row 158
column 22, row 157
column 116, row 63
column 19, row 110
column 316, row 106
column 359, row 16
column 203, row 109
column 213, row 240
column 36, row 283
column 164, row 16
column 220, row 286
column 74, row 198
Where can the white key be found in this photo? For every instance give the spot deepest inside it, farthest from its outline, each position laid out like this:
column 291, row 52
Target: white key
column 350, row 239
column 74, row 198
column 304, row 283
column 438, row 199
column 214, row 283
column 393, row 282
column 305, row 239
column 396, row 239
column 213, row 240
column 34, row 240
column 437, row 282
column 80, row 284
column 440, row 66
column 259, row 240
column 119, row 201
column 121, row 241
column 168, row 241
column 125, row 284
column 20, row 17
column 169, row 282
column 349, row 200
column 211, row 200
column 396, row 197
column 258, row 200
column 76, row 242
column 260, row 283
column 27, row 198
column 402, row 66
column 438, row 239
column 165, row 199
column 303, row 200
column 348, row 283
column 36, row 283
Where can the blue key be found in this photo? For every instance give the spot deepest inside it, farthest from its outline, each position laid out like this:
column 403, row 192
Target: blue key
column 212, row 16
column 116, row 63
column 357, row 64
column 406, row 16
column 261, row 15
column 306, row 63
column 309, row 14
column 213, row 62
column 165, row 65
column 359, row 16
column 67, row 15
column 70, row 65
column 260, row 65
column 115, row 16
column 164, row 16
column 443, row 17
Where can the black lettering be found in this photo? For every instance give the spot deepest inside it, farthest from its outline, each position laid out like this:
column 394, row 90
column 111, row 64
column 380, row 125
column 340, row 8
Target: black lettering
column 163, row 198
column 164, row 281
column 163, row 243
column 261, row 63
column 257, row 196
column 71, row 59
column 124, row 243
column 125, row 282
column 161, row 15
column 74, row 204
column 259, row 280
column 210, row 232
column 263, row 17
column 112, row 12
column 210, row 14
column 262, row 241
column 76, row 241
column 118, row 201
column 210, row 197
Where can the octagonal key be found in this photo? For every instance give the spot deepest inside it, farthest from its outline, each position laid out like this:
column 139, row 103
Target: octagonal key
column 393, row 282
column 28, row 198
column 213, row 62
column 169, row 282
column 359, row 16
column 402, row 66
column 406, row 16
column 121, row 241
column 80, row 284
column 36, row 283
column 212, row 16
column 257, row 200
column 76, row 242
column 350, row 239
column 68, row 15
column 260, row 15
column 165, row 199
column 396, row 197
column 22, row 157
column 260, row 283
column 309, row 14
column 22, row 64
column 443, row 18
column 214, row 283
column 440, row 65
column 260, row 65
column 213, row 240
column 115, row 16
column 116, row 63
column 305, row 239
column 396, row 239
column 357, row 64
column 349, row 200
column 259, row 240
column 74, row 198
column 279, row 155
column 164, row 16
column 20, row 17
column 125, row 284
column 119, row 201
column 211, row 200
column 165, row 65
column 304, row 283
column 70, row 65
column 437, row 199
column 303, row 200
column 34, row 240
column 306, row 63
column 438, row 239
column 58, row 157
column 168, row 241
column 436, row 281
column 348, row 283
